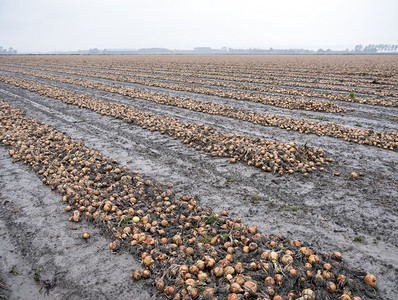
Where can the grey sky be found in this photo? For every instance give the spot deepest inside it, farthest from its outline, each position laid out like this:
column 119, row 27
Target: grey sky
column 46, row 25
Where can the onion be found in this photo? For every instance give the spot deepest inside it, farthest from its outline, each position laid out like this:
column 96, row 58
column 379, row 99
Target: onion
column 341, row 278
column 353, row 175
column 252, row 246
column 273, row 256
column 160, row 285
column 370, row 280
column 194, row 269
column 200, row 264
column 202, row 276
column 252, row 229
column 239, row 267
column 308, row 294
column 136, row 275
column 232, row 296
column 114, row 245
column 278, row 279
column 146, row 274
column 327, row 266
column 218, row 271
column 295, row 243
column 235, row 288
column 210, row 262
column 229, row 257
column 269, row 280
column 183, row 270
column 240, row 280
column 313, row 259
column 190, row 282
column 338, row 255
column 76, row 216
column 251, row 285
column 293, row 272
column 193, row 291
column 327, row 274
column 207, row 292
column 229, row 270
column 270, row 291
column 330, row 287
column 287, row 259
column 169, row 290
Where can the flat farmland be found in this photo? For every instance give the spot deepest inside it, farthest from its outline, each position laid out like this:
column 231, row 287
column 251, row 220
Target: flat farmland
column 199, row 177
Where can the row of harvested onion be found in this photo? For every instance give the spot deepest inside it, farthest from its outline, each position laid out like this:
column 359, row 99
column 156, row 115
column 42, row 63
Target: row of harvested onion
column 276, row 87
column 187, row 251
column 357, row 135
column 268, row 155
column 283, row 102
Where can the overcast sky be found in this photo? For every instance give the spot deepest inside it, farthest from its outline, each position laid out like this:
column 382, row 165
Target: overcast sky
column 47, row 25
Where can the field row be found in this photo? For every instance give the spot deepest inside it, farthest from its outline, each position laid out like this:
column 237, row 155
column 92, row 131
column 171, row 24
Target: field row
column 186, row 250
column 374, row 72
column 374, row 87
column 283, row 102
column 270, row 156
column 357, row 135
column 201, row 86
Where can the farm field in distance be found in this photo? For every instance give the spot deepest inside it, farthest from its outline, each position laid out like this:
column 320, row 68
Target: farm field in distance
column 199, row 176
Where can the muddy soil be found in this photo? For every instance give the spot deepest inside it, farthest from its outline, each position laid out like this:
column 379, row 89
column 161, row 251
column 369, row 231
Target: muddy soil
column 356, row 217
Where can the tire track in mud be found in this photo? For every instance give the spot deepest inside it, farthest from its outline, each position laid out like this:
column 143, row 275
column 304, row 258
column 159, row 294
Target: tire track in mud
column 210, row 181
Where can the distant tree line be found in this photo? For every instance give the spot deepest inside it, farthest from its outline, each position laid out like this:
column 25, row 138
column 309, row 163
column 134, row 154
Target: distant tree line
column 7, row 51
column 376, row 48
column 358, row 49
